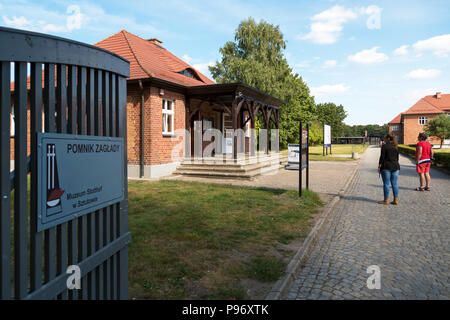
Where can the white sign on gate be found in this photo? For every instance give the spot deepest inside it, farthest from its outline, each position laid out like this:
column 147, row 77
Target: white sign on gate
column 326, row 135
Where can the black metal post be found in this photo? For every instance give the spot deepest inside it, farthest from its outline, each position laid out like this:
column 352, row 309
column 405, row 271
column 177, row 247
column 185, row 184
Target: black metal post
column 307, row 157
column 300, row 161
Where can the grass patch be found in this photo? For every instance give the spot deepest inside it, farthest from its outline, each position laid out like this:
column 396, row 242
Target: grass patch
column 265, row 268
column 316, row 152
column 193, row 240
column 443, row 150
column 339, row 149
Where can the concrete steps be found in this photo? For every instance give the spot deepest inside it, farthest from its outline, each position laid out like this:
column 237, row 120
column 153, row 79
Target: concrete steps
column 246, row 168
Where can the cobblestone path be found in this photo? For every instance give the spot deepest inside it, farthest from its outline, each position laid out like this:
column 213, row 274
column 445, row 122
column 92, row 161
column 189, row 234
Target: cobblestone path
column 409, row 242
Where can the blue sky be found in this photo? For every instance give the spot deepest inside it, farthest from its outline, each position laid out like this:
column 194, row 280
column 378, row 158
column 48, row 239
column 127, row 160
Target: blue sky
column 375, row 57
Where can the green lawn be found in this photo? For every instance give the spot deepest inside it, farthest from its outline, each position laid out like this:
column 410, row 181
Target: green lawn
column 316, row 152
column 201, row 241
column 443, row 150
column 339, row 149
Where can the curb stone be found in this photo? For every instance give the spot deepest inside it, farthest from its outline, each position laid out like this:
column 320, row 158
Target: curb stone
column 279, row 288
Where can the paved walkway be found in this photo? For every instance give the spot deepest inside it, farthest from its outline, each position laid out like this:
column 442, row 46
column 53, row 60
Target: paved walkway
column 409, row 242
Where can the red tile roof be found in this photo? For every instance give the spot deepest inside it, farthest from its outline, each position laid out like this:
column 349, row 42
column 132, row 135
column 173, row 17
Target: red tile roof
column 150, row 60
column 442, row 103
column 427, row 105
column 397, row 119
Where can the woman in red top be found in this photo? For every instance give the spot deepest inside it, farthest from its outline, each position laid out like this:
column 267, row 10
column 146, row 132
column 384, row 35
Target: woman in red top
column 424, row 154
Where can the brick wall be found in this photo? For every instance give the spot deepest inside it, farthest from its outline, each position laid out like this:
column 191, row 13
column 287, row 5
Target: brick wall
column 133, row 124
column 159, row 148
column 412, row 128
column 396, row 133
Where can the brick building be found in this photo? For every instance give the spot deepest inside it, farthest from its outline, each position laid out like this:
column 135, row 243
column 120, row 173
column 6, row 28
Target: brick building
column 167, row 99
column 407, row 125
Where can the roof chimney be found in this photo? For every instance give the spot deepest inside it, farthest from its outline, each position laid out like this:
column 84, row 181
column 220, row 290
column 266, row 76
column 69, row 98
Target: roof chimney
column 155, row 41
column 438, row 95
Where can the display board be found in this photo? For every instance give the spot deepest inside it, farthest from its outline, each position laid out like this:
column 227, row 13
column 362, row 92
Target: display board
column 326, row 139
column 293, row 153
column 327, row 135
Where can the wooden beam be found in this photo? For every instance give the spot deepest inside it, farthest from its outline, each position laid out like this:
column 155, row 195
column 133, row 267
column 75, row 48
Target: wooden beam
column 196, row 109
column 227, row 109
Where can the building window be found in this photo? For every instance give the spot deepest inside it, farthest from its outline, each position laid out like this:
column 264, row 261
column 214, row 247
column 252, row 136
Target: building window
column 395, row 128
column 189, row 73
column 423, row 120
column 396, row 138
column 167, row 117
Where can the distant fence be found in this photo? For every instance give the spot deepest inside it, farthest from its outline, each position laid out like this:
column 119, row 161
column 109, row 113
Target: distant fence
column 61, row 86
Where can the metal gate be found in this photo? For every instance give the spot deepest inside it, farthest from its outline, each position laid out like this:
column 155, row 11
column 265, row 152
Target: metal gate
column 51, row 84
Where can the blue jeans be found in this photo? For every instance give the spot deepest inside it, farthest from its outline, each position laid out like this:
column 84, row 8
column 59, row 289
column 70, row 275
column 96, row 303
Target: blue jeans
column 390, row 177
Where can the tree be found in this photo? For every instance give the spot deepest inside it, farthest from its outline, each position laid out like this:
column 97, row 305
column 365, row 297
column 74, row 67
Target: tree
column 439, row 127
column 359, row 130
column 332, row 115
column 256, row 58
column 316, row 132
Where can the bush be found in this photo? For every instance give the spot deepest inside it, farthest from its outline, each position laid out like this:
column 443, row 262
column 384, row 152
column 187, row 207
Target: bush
column 442, row 159
column 408, row 150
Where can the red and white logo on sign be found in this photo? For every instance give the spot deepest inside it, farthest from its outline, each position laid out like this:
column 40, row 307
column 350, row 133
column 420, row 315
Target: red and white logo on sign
column 54, row 192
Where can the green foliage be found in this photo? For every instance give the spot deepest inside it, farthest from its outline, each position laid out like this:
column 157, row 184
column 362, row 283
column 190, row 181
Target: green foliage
column 411, row 151
column 439, row 127
column 256, row 58
column 332, row 115
column 359, row 130
column 316, row 133
column 440, row 158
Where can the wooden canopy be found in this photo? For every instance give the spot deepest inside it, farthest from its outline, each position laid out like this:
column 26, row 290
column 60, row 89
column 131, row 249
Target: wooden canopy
column 234, row 99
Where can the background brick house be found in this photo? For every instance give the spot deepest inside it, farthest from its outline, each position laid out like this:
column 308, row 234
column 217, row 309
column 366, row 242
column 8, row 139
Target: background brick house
column 166, row 96
column 407, row 125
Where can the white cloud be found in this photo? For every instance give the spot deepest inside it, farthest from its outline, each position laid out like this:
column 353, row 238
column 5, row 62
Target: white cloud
column 329, row 63
column 329, row 89
column 368, row 56
column 423, row 74
column 203, row 67
column 186, row 58
column 326, row 26
column 439, row 45
column 401, row 51
column 18, row 22
column 73, row 21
